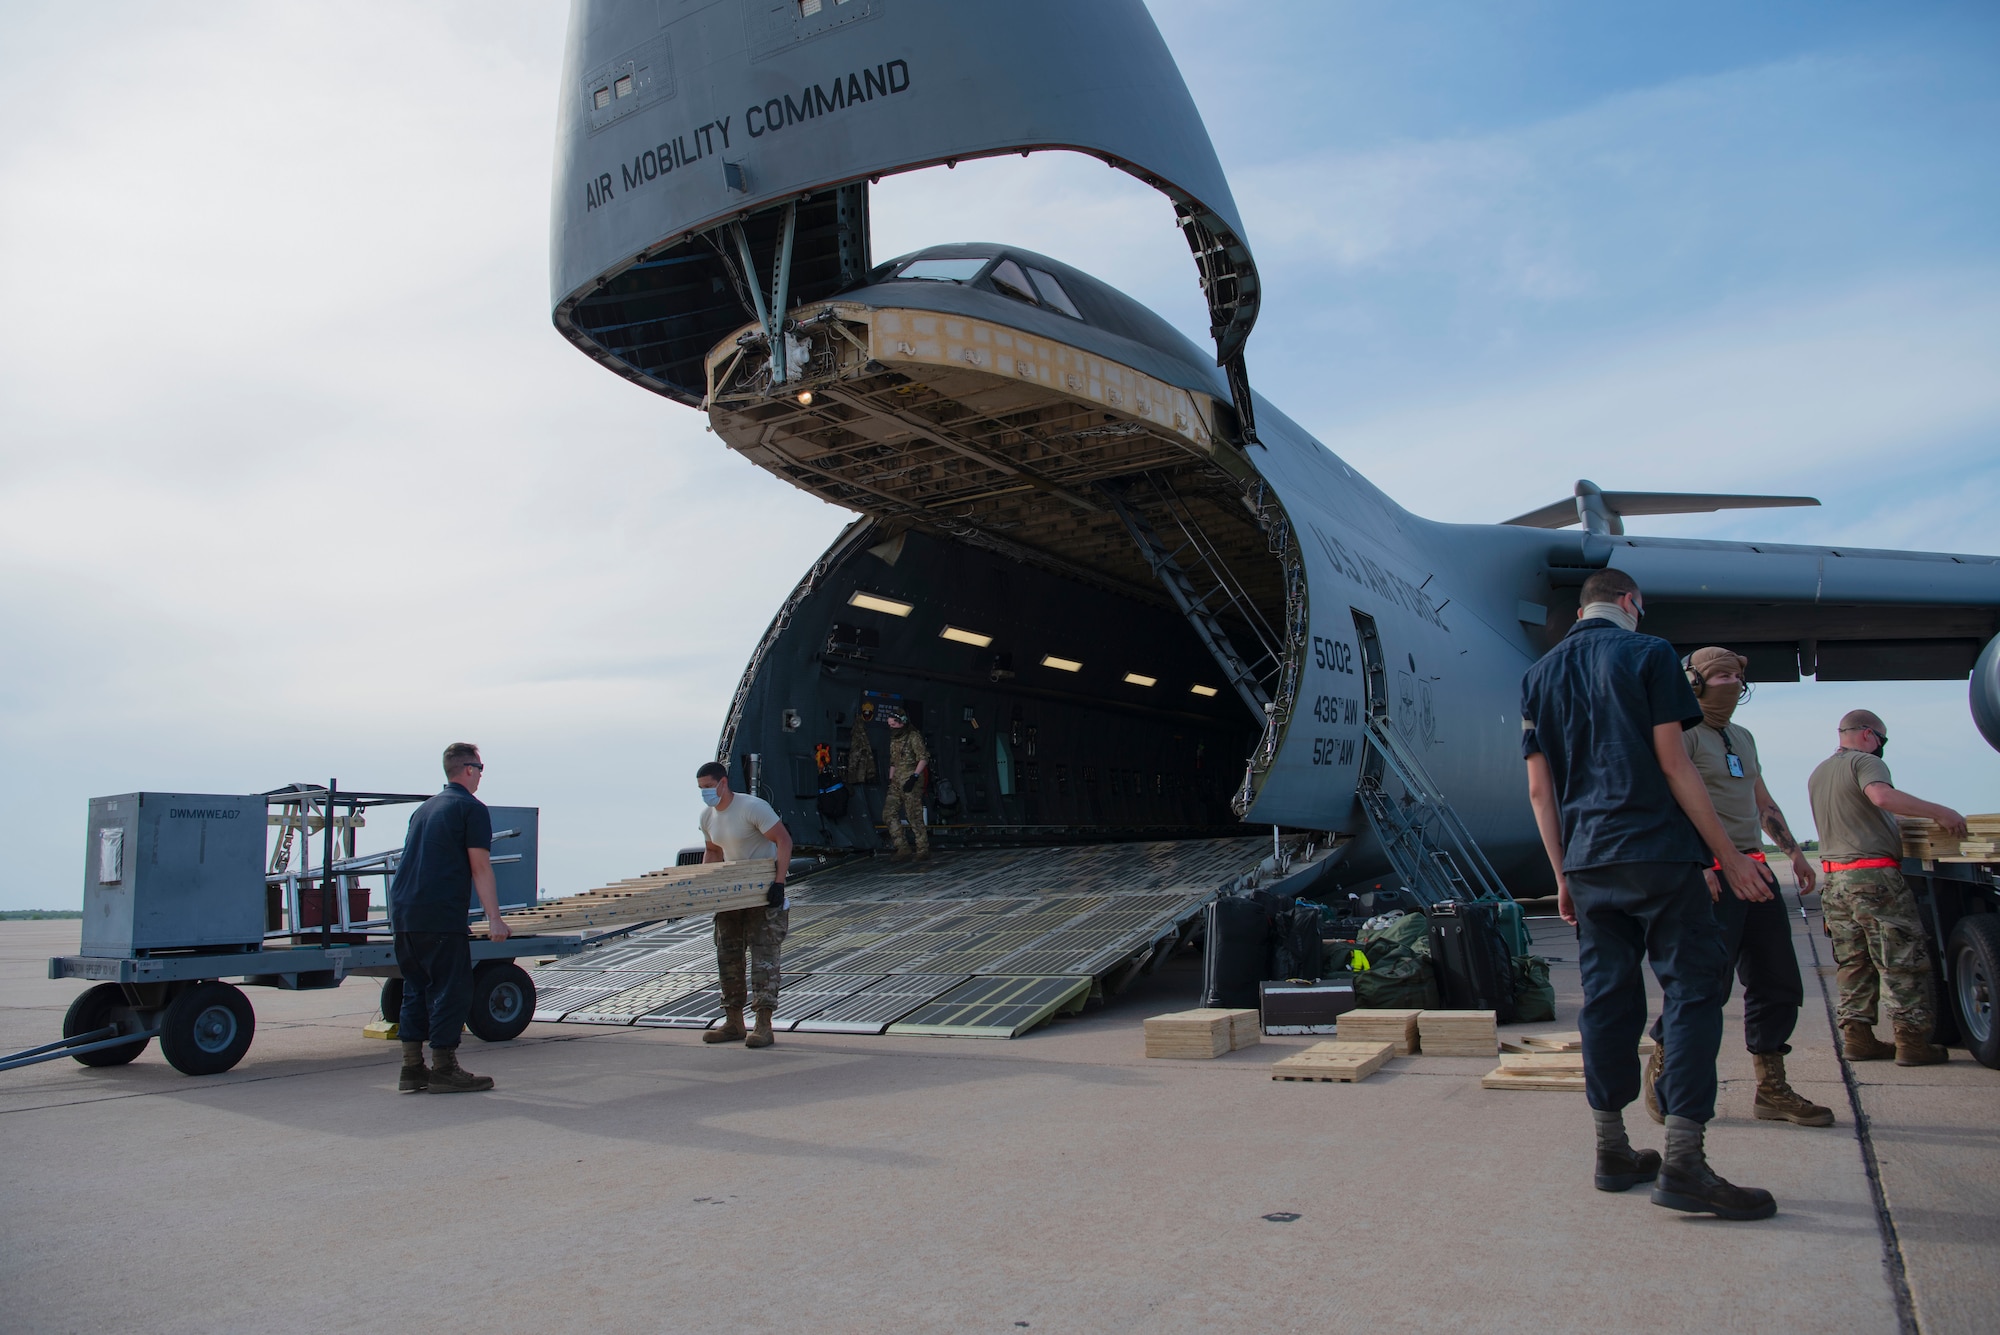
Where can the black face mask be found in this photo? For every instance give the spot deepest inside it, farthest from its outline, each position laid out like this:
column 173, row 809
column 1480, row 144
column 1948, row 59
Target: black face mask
column 1879, row 748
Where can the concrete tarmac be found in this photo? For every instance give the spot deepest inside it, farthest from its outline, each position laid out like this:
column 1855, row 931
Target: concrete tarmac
column 638, row 1180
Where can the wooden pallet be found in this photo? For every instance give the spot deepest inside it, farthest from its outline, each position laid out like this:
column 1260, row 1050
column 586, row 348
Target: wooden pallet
column 1457, row 1033
column 1395, row 1027
column 672, row 892
column 1337, row 1061
column 1198, row 1035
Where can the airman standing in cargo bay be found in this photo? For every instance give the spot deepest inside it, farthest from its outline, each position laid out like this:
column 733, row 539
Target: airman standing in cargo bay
column 909, row 762
column 1757, row 934
column 1878, row 940
column 739, row 827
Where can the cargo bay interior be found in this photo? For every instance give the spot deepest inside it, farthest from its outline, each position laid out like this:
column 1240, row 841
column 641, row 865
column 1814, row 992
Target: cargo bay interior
column 1054, row 711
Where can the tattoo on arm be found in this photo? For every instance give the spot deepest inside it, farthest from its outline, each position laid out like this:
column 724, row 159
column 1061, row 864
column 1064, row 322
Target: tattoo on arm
column 1781, row 835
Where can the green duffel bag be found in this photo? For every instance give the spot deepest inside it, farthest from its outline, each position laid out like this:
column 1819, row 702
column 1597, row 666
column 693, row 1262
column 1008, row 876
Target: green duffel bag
column 1534, row 994
column 1411, row 932
column 1400, row 980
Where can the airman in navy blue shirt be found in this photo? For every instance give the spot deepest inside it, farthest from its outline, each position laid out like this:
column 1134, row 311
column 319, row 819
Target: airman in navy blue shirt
column 1624, row 818
column 447, row 859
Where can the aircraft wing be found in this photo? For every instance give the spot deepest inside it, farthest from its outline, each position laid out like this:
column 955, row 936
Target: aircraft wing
column 1833, row 613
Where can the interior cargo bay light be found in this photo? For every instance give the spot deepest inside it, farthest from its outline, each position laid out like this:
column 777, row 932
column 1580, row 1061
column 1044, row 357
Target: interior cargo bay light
column 1140, row 679
column 1061, row 664
column 875, row 602
column 971, row 637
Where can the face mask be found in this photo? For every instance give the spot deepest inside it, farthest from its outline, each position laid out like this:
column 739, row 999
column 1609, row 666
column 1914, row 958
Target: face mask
column 710, row 796
column 1718, row 703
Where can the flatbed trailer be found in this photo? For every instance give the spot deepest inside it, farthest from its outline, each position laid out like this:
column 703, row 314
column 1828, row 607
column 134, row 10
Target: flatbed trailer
column 205, row 1024
column 1959, row 901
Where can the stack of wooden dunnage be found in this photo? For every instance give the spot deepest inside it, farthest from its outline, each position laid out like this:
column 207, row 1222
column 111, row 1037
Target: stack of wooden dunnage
column 1925, row 840
column 1201, row 1034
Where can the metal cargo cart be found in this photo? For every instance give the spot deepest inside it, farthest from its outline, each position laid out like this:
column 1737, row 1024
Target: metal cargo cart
column 180, row 893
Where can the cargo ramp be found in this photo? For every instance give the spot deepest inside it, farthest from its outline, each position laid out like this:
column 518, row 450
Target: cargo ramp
column 978, row 943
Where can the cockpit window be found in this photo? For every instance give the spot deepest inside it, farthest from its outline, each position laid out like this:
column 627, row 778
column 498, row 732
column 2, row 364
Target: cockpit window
column 944, row 270
column 1007, row 276
column 1052, row 292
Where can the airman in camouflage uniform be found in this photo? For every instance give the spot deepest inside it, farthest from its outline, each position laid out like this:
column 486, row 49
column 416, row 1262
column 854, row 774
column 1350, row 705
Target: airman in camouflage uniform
column 1878, row 939
column 909, row 761
column 760, row 932
column 1878, row 946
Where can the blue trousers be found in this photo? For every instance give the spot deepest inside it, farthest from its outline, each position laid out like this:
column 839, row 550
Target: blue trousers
column 437, row 986
column 1658, row 913
column 1758, row 939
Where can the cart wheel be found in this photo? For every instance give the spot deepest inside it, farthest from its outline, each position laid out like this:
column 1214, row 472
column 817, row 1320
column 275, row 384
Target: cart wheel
column 1975, row 978
column 95, row 1008
column 207, row 1029
column 392, row 999
column 503, row 1002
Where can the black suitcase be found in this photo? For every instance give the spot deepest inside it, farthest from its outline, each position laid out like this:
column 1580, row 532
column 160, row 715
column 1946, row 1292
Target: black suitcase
column 1235, row 941
column 1475, row 972
column 1296, row 950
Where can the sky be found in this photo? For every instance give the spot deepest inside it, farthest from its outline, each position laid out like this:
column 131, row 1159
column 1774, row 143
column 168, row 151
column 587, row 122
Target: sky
column 297, row 482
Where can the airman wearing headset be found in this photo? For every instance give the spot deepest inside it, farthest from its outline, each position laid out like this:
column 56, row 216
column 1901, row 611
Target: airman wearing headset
column 1758, row 934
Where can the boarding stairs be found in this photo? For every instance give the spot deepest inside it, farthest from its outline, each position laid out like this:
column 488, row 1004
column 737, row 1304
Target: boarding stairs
column 1424, row 839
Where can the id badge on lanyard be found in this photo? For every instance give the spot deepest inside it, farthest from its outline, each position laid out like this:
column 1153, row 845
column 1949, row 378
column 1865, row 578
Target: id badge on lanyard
column 1729, row 756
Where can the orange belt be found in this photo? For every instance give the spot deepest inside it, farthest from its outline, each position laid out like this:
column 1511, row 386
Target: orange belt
column 1753, row 856
column 1860, row 865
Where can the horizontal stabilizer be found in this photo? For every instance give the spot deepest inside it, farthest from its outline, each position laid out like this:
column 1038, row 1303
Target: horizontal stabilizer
column 1601, row 511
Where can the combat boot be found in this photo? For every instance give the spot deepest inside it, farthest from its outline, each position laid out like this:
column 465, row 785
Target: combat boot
column 901, row 854
column 1686, row 1182
column 760, row 1037
column 1859, row 1044
column 1777, row 1101
column 731, row 1028
column 1655, row 1064
column 448, row 1077
column 1914, row 1047
column 415, row 1077
column 1619, row 1166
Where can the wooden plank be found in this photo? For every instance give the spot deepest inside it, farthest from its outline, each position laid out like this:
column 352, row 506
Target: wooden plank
column 1501, row 1078
column 674, row 892
column 1569, row 1041
column 1190, row 1035
column 1398, row 1027
column 1337, row 1061
column 1523, row 1063
column 1246, row 1030
column 1457, row 1033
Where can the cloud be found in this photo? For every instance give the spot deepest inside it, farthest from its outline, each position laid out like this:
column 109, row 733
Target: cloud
column 1830, row 394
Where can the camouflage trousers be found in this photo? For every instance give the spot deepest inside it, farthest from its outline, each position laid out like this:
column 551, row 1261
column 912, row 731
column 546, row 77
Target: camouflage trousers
column 1878, row 947
column 900, row 806
column 760, row 931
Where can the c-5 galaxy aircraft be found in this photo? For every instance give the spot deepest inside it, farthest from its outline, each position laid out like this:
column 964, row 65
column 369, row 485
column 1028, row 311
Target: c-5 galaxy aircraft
column 1118, row 590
